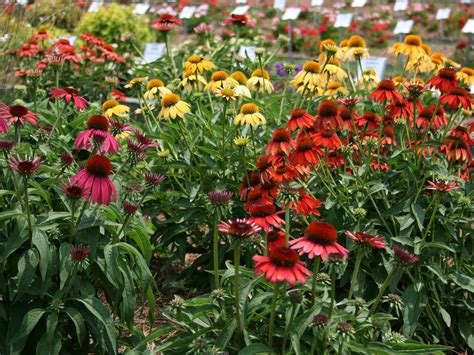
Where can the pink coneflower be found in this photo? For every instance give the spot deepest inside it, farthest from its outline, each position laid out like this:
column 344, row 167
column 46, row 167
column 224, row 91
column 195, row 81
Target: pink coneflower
column 403, row 256
column 98, row 130
column 265, row 216
column 238, row 20
column 319, row 239
column 79, row 253
column 26, row 166
column 442, row 186
column 94, row 180
column 366, row 239
column 73, row 192
column 299, row 118
column 219, row 197
column 15, row 114
column 203, row 28
column 166, row 22
column 69, row 94
column 41, row 34
column 153, row 179
column 240, row 228
column 281, row 264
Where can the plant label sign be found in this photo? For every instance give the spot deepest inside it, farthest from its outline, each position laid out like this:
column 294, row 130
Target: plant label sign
column 279, row 4
column 358, row 3
column 403, row 27
column 94, row 7
column 153, row 52
column 400, row 5
column 187, row 12
column 291, row 13
column 317, row 2
column 247, row 51
column 240, row 1
column 376, row 63
column 240, row 10
column 443, row 14
column 343, row 20
column 469, row 26
column 141, row 9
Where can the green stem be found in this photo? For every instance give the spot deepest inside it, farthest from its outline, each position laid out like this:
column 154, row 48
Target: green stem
column 387, row 282
column 224, row 123
column 119, row 170
column 316, row 265
column 333, row 291
column 84, row 206
column 240, row 326
column 215, row 249
column 253, row 142
column 27, row 206
column 435, row 209
column 272, row 314
column 287, row 222
column 360, row 254
column 288, row 326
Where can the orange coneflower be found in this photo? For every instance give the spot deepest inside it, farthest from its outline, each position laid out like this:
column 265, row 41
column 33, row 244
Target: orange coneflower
column 386, row 91
column 444, row 81
column 328, row 116
column 327, row 139
column 306, row 151
column 428, row 116
column 299, row 118
column 281, row 141
column 456, row 97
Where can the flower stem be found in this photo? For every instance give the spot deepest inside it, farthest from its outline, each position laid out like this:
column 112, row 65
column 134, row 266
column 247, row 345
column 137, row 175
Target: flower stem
column 27, row 206
column 435, row 209
column 382, row 290
column 215, row 250
column 272, row 314
column 237, row 286
column 287, row 223
column 355, row 273
column 224, row 123
column 316, row 264
column 333, row 291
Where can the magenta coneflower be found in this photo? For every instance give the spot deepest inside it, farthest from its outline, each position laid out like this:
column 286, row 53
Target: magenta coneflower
column 98, row 130
column 6, row 144
column 403, row 256
column 66, row 159
column 15, row 114
column 219, row 197
column 130, row 208
column 79, row 253
column 319, row 239
column 26, row 166
column 72, row 191
column 166, row 22
column 69, row 94
column 366, row 239
column 442, row 186
column 240, row 228
column 281, row 264
column 154, row 179
column 94, row 180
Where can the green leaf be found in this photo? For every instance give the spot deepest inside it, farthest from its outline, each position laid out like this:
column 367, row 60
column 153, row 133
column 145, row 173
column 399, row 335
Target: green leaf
column 419, row 214
column 226, row 334
column 29, row 322
column 157, row 333
column 446, row 316
column 50, row 342
column 78, row 322
column 467, row 332
column 464, row 281
column 40, row 241
column 415, row 299
column 256, row 348
column 26, row 270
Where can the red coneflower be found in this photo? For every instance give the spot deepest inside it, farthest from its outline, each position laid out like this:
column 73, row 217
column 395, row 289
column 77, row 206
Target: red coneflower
column 350, row 102
column 378, row 165
column 299, row 118
column 265, row 216
column 284, row 172
column 456, row 97
column 79, row 253
column 281, row 264
column 327, row 139
column 370, row 119
column 319, row 239
column 457, row 149
column 98, row 130
column 238, row 20
column 328, row 116
column 335, row 159
column 399, row 109
column 41, row 34
column 69, row 94
column 444, row 81
column 347, row 117
column 249, row 180
column 403, row 256
column 275, row 239
column 427, row 117
column 26, row 166
column 388, row 136
column 16, row 114
column 263, row 163
column 269, row 186
column 386, row 91
column 306, row 204
column 94, row 180
column 219, row 197
column 366, row 239
column 257, row 197
column 306, row 151
column 281, row 141
column 442, row 186
column 166, row 22
column 240, row 228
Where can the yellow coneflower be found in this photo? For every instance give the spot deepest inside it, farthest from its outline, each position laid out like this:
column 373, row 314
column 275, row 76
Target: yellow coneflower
column 172, row 107
column 466, row 75
column 449, row 63
column 356, row 48
column 241, row 89
column 307, row 89
column 241, row 141
column 227, row 93
column 399, row 81
column 420, row 64
column 426, row 48
column 334, row 88
column 164, row 153
column 249, row 115
column 154, row 86
column 260, row 81
column 344, row 47
column 192, row 81
column 437, row 61
column 218, row 79
column 135, row 81
column 196, row 63
column 333, row 68
column 309, row 76
column 411, row 47
column 112, row 107
column 369, row 78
